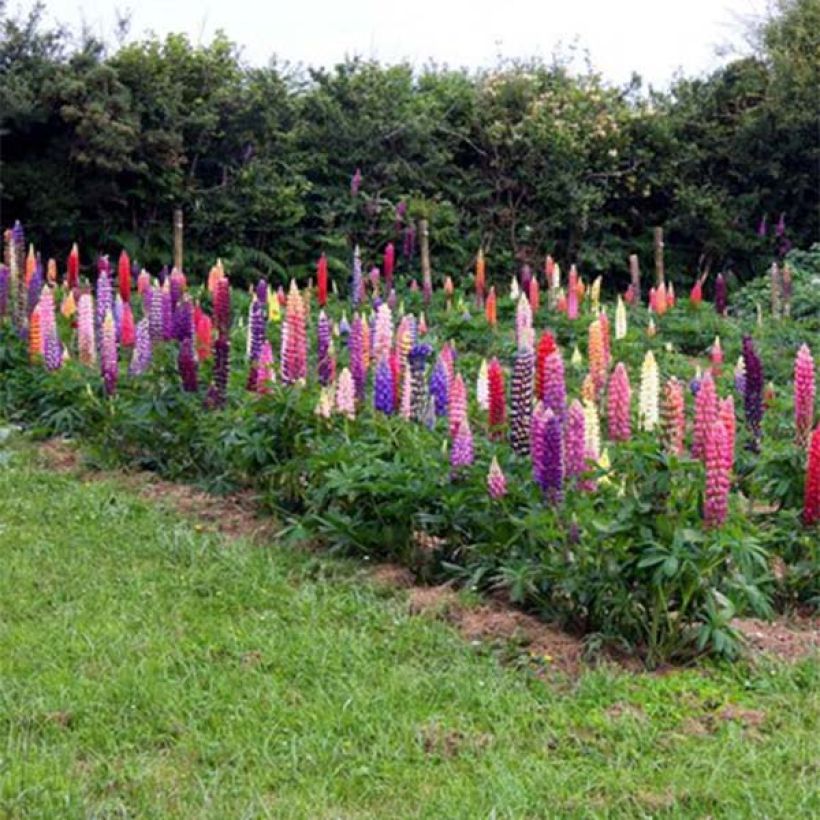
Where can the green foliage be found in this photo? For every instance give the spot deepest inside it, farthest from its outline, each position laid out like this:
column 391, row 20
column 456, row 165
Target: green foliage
column 525, row 158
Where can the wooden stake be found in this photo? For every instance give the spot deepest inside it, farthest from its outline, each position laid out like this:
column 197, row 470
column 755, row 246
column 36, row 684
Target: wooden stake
column 178, row 238
column 658, row 244
column 635, row 275
column 426, row 272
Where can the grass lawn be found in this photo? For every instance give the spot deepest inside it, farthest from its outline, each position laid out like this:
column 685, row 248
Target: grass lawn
column 148, row 669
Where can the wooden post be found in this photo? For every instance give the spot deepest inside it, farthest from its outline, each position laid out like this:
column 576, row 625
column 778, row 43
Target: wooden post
column 426, row 272
column 178, row 238
column 658, row 244
column 635, row 276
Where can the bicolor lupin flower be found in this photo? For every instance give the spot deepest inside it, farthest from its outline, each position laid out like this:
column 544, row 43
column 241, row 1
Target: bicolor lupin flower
column 496, row 480
column 521, row 395
column 673, row 419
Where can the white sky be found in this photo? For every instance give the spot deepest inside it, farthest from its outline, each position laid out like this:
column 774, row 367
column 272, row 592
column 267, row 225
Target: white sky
column 653, row 37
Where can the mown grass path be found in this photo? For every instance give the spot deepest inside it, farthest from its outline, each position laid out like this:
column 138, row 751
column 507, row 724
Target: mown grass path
column 151, row 670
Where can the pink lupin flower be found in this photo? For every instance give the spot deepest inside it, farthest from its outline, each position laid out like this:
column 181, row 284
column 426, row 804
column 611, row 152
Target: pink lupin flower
column 345, row 395
column 496, row 481
column 265, row 371
column 726, row 414
column 804, row 392
column 716, row 455
column 618, row 404
column 575, row 441
column 383, row 336
column 706, row 411
column 716, row 357
column 457, row 410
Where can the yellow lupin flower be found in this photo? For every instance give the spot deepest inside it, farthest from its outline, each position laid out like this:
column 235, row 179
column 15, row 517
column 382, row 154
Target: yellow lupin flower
column 576, row 359
column 595, row 294
column 68, row 307
column 274, row 308
column 605, row 465
column 592, row 429
column 648, row 411
column 620, row 319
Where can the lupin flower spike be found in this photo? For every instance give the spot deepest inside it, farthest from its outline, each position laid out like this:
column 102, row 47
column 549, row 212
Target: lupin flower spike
column 811, row 500
column 804, row 392
column 753, row 391
column 575, row 440
column 482, row 388
column 620, row 320
column 716, row 501
column 497, row 405
column 705, row 415
column 496, row 481
column 673, row 416
column 648, row 411
column 457, row 410
column 618, row 404
column 108, row 354
column 461, row 451
column 345, row 395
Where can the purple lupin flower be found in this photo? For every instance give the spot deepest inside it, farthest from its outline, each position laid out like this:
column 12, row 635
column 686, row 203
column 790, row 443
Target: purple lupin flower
column 155, row 314
column 461, row 453
column 262, row 292
column 256, row 330
column 218, row 391
column 383, row 393
column 323, row 339
column 35, row 286
column 141, row 358
column 417, row 357
column 753, row 392
column 52, row 349
column 162, row 275
column 187, row 365
column 552, row 468
column 176, row 282
column 17, row 260
column 537, row 443
column 167, row 312
column 355, row 344
column 521, row 396
column 780, row 228
column 5, row 280
column 574, row 440
column 762, row 229
column 118, row 316
column 183, row 320
column 721, row 298
column 440, row 388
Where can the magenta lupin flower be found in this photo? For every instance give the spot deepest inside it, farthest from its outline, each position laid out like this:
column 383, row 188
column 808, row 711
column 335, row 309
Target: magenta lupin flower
column 356, row 347
column 461, row 453
column 496, row 481
column 108, row 354
column 804, row 392
column 187, row 365
column 574, row 440
column 619, row 397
